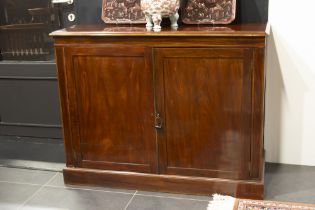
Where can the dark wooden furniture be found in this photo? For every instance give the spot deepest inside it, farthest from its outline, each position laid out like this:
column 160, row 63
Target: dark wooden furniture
column 176, row 111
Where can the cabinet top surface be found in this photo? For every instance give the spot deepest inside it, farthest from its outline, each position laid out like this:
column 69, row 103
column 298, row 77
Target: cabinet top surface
column 240, row 30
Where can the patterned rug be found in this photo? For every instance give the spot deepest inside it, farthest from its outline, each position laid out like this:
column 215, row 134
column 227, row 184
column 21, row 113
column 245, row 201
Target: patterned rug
column 229, row 203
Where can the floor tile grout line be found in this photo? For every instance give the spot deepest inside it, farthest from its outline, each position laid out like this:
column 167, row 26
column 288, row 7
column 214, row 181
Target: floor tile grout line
column 106, row 191
column 52, row 178
column 127, row 193
column 21, row 183
column 30, row 168
column 66, row 187
column 130, row 200
column 35, row 193
column 86, row 189
column 173, row 197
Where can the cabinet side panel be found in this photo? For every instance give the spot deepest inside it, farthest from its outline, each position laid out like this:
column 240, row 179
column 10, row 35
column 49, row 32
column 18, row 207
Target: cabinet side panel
column 258, row 93
column 63, row 94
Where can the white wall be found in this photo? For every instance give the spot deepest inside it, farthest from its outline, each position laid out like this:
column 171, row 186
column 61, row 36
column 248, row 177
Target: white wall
column 290, row 94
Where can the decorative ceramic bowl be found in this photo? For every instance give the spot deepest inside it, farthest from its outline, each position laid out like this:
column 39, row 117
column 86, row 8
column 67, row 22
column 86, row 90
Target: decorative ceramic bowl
column 155, row 10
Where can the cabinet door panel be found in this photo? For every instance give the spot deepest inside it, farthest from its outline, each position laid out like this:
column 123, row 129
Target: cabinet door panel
column 113, row 123
column 204, row 99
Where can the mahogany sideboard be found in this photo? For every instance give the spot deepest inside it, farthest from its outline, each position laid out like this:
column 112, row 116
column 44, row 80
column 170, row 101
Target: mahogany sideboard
column 175, row 111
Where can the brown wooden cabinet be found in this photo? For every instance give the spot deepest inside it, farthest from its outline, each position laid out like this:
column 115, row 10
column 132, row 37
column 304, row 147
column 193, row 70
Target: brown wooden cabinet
column 177, row 111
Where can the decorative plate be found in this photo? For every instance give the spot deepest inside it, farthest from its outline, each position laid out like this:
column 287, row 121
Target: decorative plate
column 122, row 12
column 209, row 11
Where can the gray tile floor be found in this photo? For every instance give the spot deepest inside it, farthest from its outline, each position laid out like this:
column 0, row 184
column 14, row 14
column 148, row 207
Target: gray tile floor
column 27, row 152
column 44, row 190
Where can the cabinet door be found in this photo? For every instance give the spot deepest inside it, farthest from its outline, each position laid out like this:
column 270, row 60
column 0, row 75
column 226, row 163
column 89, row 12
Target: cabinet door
column 111, row 108
column 204, row 105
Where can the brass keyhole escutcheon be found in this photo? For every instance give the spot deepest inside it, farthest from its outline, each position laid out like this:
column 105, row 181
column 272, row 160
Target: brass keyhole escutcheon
column 158, row 121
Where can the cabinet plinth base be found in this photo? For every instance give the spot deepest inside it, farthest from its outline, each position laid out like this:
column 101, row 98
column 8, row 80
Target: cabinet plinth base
column 166, row 183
